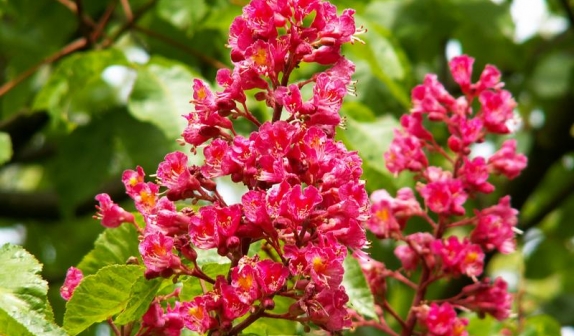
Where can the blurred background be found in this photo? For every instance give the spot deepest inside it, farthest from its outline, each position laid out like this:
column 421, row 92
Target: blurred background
column 90, row 88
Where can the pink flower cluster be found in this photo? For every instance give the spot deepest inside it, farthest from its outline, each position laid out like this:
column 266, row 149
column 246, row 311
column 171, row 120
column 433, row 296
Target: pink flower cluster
column 444, row 193
column 305, row 200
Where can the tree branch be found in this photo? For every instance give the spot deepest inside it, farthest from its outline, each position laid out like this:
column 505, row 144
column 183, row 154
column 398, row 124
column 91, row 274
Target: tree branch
column 68, row 49
column 166, row 39
column 127, row 10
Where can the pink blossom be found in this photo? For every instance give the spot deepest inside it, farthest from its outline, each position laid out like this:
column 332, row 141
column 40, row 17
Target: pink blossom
column 418, row 246
column 174, row 174
column 506, row 161
column 495, row 227
column 328, row 309
column 325, row 266
column 300, row 203
column 131, row 178
column 497, row 109
column 196, row 314
column 272, row 276
column 111, row 214
column 73, row 278
column 432, row 98
column 214, row 154
column 413, row 125
column 464, row 132
column 231, row 303
column 441, row 320
column 405, row 152
column 155, row 321
column 474, row 175
column 489, row 79
column 157, row 254
column 459, row 257
column 461, row 70
column 487, row 298
column 444, row 196
column 244, row 279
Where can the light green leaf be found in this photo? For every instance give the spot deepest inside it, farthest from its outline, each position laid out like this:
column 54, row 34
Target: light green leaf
column 161, row 95
column 191, row 287
column 360, row 296
column 141, row 295
column 541, row 325
column 72, row 77
column 113, row 246
column 386, row 60
column 100, row 296
column 24, row 307
column 183, row 14
column 5, row 148
column 372, row 139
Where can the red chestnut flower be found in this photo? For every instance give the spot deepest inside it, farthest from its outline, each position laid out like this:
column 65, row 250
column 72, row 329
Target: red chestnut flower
column 111, row 214
column 73, row 278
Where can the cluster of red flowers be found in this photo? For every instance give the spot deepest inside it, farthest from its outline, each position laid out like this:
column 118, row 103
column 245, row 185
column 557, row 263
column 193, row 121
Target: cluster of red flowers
column 305, row 202
column 444, row 193
column 305, row 199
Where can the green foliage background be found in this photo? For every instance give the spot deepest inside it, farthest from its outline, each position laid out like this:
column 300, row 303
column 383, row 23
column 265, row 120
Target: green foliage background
column 101, row 98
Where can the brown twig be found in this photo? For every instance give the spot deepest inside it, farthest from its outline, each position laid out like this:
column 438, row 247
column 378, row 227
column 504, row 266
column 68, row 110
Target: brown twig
column 166, row 39
column 70, row 5
column 135, row 17
column 127, row 10
column 74, row 9
column 103, row 22
column 68, row 49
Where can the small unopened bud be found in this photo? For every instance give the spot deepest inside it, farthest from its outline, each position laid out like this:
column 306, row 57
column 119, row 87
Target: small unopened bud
column 189, row 252
column 261, row 96
column 268, row 304
column 222, row 251
column 233, row 242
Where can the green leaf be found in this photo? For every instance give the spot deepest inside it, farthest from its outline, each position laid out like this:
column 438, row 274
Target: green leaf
column 372, row 139
column 5, row 148
column 161, row 95
column 24, row 307
column 266, row 326
column 360, row 296
column 100, row 296
column 84, row 158
column 113, row 247
column 191, row 288
column 541, row 325
column 386, row 60
column 183, row 14
column 141, row 295
column 73, row 77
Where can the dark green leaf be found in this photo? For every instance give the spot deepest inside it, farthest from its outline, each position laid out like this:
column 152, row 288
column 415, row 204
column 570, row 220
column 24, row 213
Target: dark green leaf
column 83, row 157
